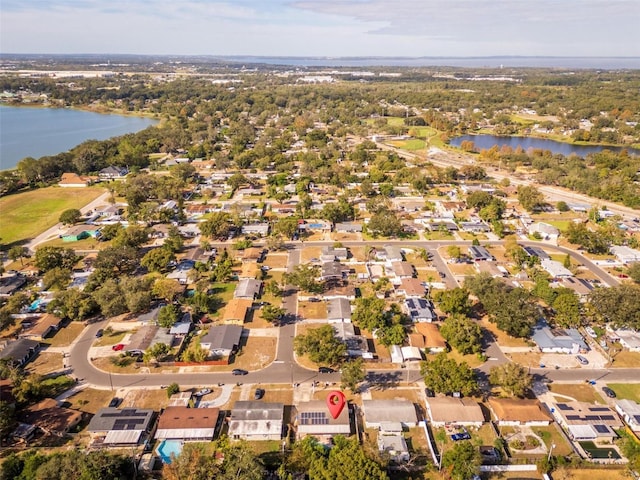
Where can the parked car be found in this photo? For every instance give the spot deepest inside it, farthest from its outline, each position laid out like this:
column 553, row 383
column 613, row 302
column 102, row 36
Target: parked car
column 461, row 436
column 442, row 274
column 99, row 333
column 608, row 392
column 115, row 401
column 429, row 393
column 326, row 370
column 238, row 371
column 582, row 360
column 203, row 392
column 259, row 393
column 591, row 332
column 117, row 347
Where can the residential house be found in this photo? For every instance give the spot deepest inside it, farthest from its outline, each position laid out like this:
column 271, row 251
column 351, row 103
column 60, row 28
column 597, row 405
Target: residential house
column 73, row 180
column 222, row 340
column 480, row 254
column 187, row 424
column 519, row 412
column 580, row 286
column 629, row 339
column 546, row 231
column 338, row 310
column 558, row 340
column 393, row 445
column 392, row 254
column 334, row 290
column 255, row 420
column 147, row 336
column 348, row 227
column 80, row 232
column 253, row 254
column 183, row 327
column 9, row 284
column 283, row 209
column 450, row 410
column 625, row 255
column 248, row 288
column 357, row 345
column 475, row 227
column 113, row 173
column 630, row 413
column 536, row 252
column 411, row 354
column 389, row 415
column 312, row 419
column 333, row 271
column 42, row 327
column 181, row 273
column 335, row 253
column 236, row 310
column 587, row 421
column 259, row 229
column 20, row 351
column 402, row 270
column 150, row 317
column 127, row 427
column 434, row 342
column 555, row 269
column 496, row 271
column 411, row 287
column 420, row 310
column 438, row 225
column 49, row 417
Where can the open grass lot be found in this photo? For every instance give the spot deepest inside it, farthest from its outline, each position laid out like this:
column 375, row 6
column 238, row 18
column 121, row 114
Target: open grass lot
column 257, row 353
column 277, row 393
column 254, row 319
column 582, row 392
column 276, row 260
column 626, row 359
column 629, row 391
column 90, row 400
column 411, row 144
column 26, row 214
column 312, row 310
column 66, row 335
column 156, row 399
column 45, row 363
column 400, row 393
column 110, row 338
column 308, row 253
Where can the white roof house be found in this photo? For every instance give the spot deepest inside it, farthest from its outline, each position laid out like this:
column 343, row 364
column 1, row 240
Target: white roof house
column 338, row 310
column 255, row 420
column 546, row 231
column 625, row 254
column 555, row 269
column 629, row 339
column 380, row 413
column 630, row 412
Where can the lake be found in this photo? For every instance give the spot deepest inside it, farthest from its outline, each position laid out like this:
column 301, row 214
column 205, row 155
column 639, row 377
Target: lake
column 566, row 149
column 37, row 132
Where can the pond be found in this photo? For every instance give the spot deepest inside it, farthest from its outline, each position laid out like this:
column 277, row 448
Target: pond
column 487, row 141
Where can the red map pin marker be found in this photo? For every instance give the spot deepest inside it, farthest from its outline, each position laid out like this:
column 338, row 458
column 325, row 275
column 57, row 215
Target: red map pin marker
column 335, row 403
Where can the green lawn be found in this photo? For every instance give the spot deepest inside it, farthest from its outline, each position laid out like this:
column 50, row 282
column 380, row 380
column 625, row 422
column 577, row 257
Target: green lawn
column 629, row 391
column 26, row 214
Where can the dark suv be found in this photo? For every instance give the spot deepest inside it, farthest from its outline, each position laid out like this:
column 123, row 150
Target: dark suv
column 326, row 370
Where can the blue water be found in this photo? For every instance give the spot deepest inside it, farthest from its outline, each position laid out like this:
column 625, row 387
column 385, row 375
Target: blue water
column 487, row 141
column 34, row 306
column 37, row 132
column 168, row 448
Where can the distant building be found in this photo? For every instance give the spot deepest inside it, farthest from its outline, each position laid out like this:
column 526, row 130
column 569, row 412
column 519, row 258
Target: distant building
column 625, row 254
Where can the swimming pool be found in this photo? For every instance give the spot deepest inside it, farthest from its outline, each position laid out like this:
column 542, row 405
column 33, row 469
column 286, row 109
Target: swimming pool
column 34, row 306
column 168, row 448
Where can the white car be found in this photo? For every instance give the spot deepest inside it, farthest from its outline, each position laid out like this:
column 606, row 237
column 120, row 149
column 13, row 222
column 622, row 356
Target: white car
column 592, row 333
column 203, row 392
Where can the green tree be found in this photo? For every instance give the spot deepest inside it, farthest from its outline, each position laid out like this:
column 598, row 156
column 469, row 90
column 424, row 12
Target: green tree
column 109, row 298
column 174, row 241
column 157, row 259
column 133, row 236
column 454, row 301
column 369, row 313
column 72, row 304
column 272, row 314
column 56, row 279
column 454, row 251
column 567, row 309
column 463, row 334
column 156, row 352
column 352, row 373
column 634, row 272
column 512, row 378
column 617, row 305
column 116, row 261
column 47, row 258
column 391, row 334
column 305, row 276
column 286, row 226
column 18, row 253
column 137, row 294
column 445, row 375
column 168, row 316
column 167, row 288
column 172, row 389
column 321, row 345
column 8, row 418
column 462, row 461
column 530, row 198
column 70, row 216
column 384, row 223
column 216, row 225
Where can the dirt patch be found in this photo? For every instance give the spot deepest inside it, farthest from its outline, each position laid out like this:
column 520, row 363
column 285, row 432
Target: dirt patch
column 503, row 338
column 90, row 400
column 312, row 310
column 254, row 320
column 531, row 359
column 410, row 394
column 257, row 353
column 582, row 392
column 156, row 399
column 276, row 260
column 66, row 335
column 45, row 363
column 310, row 252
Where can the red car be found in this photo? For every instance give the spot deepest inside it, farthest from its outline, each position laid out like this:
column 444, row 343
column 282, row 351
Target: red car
column 118, row 347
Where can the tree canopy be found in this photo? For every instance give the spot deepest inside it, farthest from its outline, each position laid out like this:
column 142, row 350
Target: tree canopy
column 445, row 375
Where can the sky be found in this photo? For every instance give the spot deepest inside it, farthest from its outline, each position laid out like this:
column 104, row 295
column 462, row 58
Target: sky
column 334, row 28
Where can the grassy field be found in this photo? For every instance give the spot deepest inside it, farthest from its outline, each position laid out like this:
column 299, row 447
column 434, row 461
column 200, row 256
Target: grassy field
column 629, row 391
column 581, row 392
column 26, row 214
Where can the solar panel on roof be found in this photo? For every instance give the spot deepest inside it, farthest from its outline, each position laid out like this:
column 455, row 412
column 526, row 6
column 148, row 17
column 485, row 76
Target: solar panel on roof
column 601, row 428
column 564, row 406
column 573, row 417
column 592, row 418
column 599, row 409
column 607, row 417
